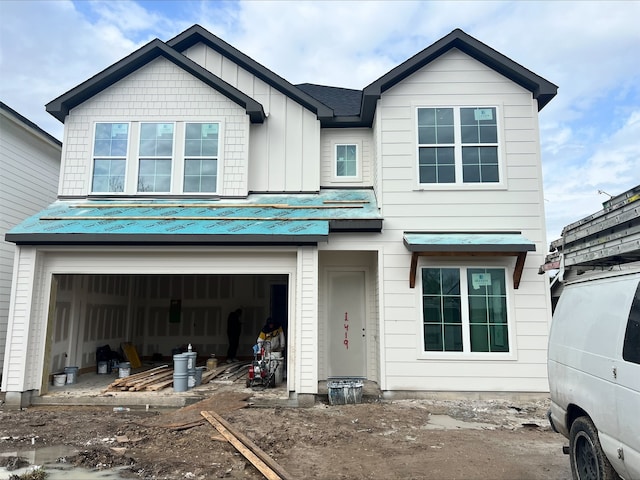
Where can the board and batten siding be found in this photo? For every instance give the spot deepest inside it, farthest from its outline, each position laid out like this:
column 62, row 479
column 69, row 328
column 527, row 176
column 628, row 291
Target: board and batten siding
column 158, row 92
column 30, row 165
column 285, row 153
column 516, row 204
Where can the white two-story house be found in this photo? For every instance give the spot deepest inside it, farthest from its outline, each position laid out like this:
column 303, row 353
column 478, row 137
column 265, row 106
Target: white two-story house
column 396, row 231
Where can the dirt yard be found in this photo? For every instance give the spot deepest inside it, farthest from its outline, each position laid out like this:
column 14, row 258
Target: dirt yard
column 407, row 439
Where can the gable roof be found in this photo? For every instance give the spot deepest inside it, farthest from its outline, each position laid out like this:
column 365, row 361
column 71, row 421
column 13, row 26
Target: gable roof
column 542, row 89
column 60, row 107
column 335, row 107
column 197, row 34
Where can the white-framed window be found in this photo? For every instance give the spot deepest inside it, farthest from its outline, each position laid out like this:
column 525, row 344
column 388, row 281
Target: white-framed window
column 346, row 161
column 155, row 157
column 458, row 145
column 201, row 157
column 110, row 147
column 464, row 310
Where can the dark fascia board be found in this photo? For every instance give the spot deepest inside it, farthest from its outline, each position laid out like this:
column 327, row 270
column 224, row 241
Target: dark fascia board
column 542, row 89
column 160, row 239
column 197, row 34
column 61, row 106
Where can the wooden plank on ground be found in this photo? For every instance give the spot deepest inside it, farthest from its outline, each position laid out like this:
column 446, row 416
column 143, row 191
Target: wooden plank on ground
column 272, row 467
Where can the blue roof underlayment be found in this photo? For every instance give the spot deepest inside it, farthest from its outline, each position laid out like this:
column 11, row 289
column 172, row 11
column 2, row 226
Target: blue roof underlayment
column 260, row 217
column 467, row 241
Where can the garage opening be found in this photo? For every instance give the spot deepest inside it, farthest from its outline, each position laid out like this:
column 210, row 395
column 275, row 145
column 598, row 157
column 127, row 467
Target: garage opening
column 158, row 314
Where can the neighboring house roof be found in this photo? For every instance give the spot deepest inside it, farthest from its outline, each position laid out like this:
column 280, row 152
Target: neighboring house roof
column 260, row 219
column 197, row 34
column 60, row 107
column 10, row 112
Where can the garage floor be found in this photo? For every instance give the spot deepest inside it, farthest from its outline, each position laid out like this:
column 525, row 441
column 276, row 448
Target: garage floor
column 91, row 389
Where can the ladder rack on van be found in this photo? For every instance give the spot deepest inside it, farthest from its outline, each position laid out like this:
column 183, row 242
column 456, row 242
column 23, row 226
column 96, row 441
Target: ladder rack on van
column 608, row 237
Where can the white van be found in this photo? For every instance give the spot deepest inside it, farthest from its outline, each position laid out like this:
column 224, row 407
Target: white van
column 594, row 374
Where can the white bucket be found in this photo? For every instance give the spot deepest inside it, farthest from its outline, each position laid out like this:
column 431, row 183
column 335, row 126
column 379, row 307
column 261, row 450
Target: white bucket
column 103, row 368
column 124, row 369
column 59, row 379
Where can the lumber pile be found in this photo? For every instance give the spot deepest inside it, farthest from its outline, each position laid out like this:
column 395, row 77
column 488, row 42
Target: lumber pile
column 161, row 377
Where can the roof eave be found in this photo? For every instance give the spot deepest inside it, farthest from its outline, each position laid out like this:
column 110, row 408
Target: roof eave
column 542, row 89
column 61, row 106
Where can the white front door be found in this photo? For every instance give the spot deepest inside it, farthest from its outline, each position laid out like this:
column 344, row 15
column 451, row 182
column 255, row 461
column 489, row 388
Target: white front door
column 346, row 324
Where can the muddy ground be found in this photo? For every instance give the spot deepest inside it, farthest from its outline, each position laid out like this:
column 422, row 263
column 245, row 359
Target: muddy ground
column 405, row 439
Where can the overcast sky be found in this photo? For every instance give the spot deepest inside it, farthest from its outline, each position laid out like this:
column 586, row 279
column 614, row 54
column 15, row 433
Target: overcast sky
column 590, row 132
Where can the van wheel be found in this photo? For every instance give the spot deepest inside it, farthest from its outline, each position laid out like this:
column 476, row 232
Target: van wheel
column 588, row 461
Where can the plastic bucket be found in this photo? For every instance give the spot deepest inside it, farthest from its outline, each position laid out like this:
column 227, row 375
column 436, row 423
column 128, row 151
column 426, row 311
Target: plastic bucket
column 199, row 371
column 72, row 374
column 124, row 369
column 180, row 373
column 59, row 379
column 103, row 368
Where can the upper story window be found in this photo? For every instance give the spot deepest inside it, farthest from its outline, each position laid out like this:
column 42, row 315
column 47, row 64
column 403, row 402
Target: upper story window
column 110, row 157
column 346, row 165
column 201, row 157
column 155, row 157
column 464, row 310
column 458, row 145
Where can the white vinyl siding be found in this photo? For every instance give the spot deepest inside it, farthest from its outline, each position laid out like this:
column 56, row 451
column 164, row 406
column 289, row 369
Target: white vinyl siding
column 29, row 182
column 515, row 204
column 363, row 140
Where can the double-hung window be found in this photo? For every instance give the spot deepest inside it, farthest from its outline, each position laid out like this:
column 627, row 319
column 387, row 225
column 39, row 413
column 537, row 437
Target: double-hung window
column 110, row 157
column 201, row 157
column 155, row 157
column 458, row 145
column 464, row 310
column 346, row 165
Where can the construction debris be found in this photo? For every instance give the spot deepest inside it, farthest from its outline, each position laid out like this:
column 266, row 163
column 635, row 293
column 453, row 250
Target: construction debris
column 161, row 377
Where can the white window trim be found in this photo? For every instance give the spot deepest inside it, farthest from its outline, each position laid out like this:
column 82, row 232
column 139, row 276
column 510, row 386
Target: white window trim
column 334, row 162
column 132, row 159
column 459, row 184
column 468, row 355
column 92, row 159
column 179, row 176
column 173, row 157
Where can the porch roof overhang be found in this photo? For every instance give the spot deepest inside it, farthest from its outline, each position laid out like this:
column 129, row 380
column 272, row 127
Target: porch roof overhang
column 260, row 219
column 475, row 244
